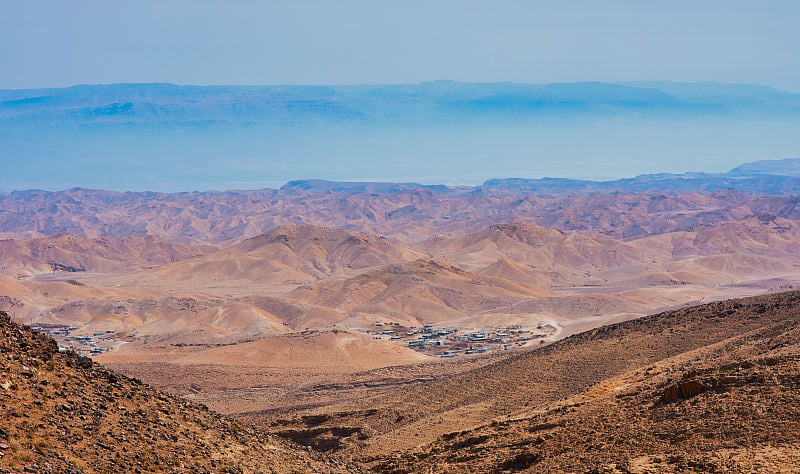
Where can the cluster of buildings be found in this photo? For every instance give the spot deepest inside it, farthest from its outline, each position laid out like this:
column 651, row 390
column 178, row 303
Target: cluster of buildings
column 83, row 345
column 449, row 342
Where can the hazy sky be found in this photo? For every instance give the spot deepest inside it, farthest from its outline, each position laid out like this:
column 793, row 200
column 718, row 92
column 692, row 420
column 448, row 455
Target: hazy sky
column 60, row 43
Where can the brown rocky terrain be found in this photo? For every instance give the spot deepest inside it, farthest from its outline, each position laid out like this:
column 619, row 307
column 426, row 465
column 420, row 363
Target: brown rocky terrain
column 64, row 413
column 712, row 387
column 424, row 317
column 236, row 311
column 718, row 416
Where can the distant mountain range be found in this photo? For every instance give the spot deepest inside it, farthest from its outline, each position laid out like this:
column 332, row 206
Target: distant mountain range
column 628, row 208
column 763, row 177
column 167, row 137
column 777, row 177
column 148, row 104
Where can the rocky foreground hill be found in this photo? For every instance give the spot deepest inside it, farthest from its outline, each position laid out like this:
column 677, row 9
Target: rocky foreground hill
column 63, row 413
column 712, row 388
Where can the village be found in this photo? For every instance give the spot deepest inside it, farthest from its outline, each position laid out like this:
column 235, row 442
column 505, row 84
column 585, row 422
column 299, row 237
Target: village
column 429, row 339
column 451, row 342
column 85, row 345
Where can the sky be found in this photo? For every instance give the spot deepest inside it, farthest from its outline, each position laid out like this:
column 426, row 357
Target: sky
column 55, row 43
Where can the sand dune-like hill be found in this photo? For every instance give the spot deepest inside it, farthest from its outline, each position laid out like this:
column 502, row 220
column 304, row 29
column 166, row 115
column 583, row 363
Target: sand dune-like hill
column 30, row 300
column 555, row 255
column 330, row 350
column 510, row 270
column 574, row 307
column 422, row 291
column 766, row 236
column 659, row 351
column 70, row 253
column 167, row 319
column 287, row 255
column 155, row 319
column 718, row 253
column 722, row 252
column 64, row 413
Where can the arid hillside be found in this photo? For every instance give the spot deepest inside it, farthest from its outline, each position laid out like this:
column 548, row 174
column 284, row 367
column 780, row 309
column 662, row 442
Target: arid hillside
column 557, row 257
column 415, row 293
column 424, row 322
column 719, row 415
column 323, row 303
column 708, row 387
column 288, row 255
column 64, row 413
column 69, row 253
column 728, row 249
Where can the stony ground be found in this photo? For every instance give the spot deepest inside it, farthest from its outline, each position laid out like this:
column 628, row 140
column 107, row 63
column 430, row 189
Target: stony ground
column 732, row 406
column 63, row 413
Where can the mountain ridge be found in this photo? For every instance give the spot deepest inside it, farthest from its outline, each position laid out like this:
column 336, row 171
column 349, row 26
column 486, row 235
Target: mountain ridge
column 164, row 102
column 769, row 177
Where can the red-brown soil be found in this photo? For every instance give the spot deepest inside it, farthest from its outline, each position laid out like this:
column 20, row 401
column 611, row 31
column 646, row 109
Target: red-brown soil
column 64, row 413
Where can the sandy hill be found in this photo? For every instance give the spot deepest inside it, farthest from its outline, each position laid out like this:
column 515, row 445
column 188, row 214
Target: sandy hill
column 550, row 254
column 510, row 270
column 287, row 255
column 767, row 236
column 34, row 300
column 603, row 362
column 64, row 413
column 329, row 350
column 173, row 319
column 70, row 253
column 422, row 291
column 723, row 252
column 12, row 292
column 719, row 253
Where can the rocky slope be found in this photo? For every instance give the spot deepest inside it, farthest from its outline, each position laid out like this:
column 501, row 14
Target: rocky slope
column 708, row 387
column 717, row 416
column 64, row 413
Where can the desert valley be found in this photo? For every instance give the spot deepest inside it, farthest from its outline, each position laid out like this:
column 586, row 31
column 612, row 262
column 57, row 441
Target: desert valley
column 404, row 327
